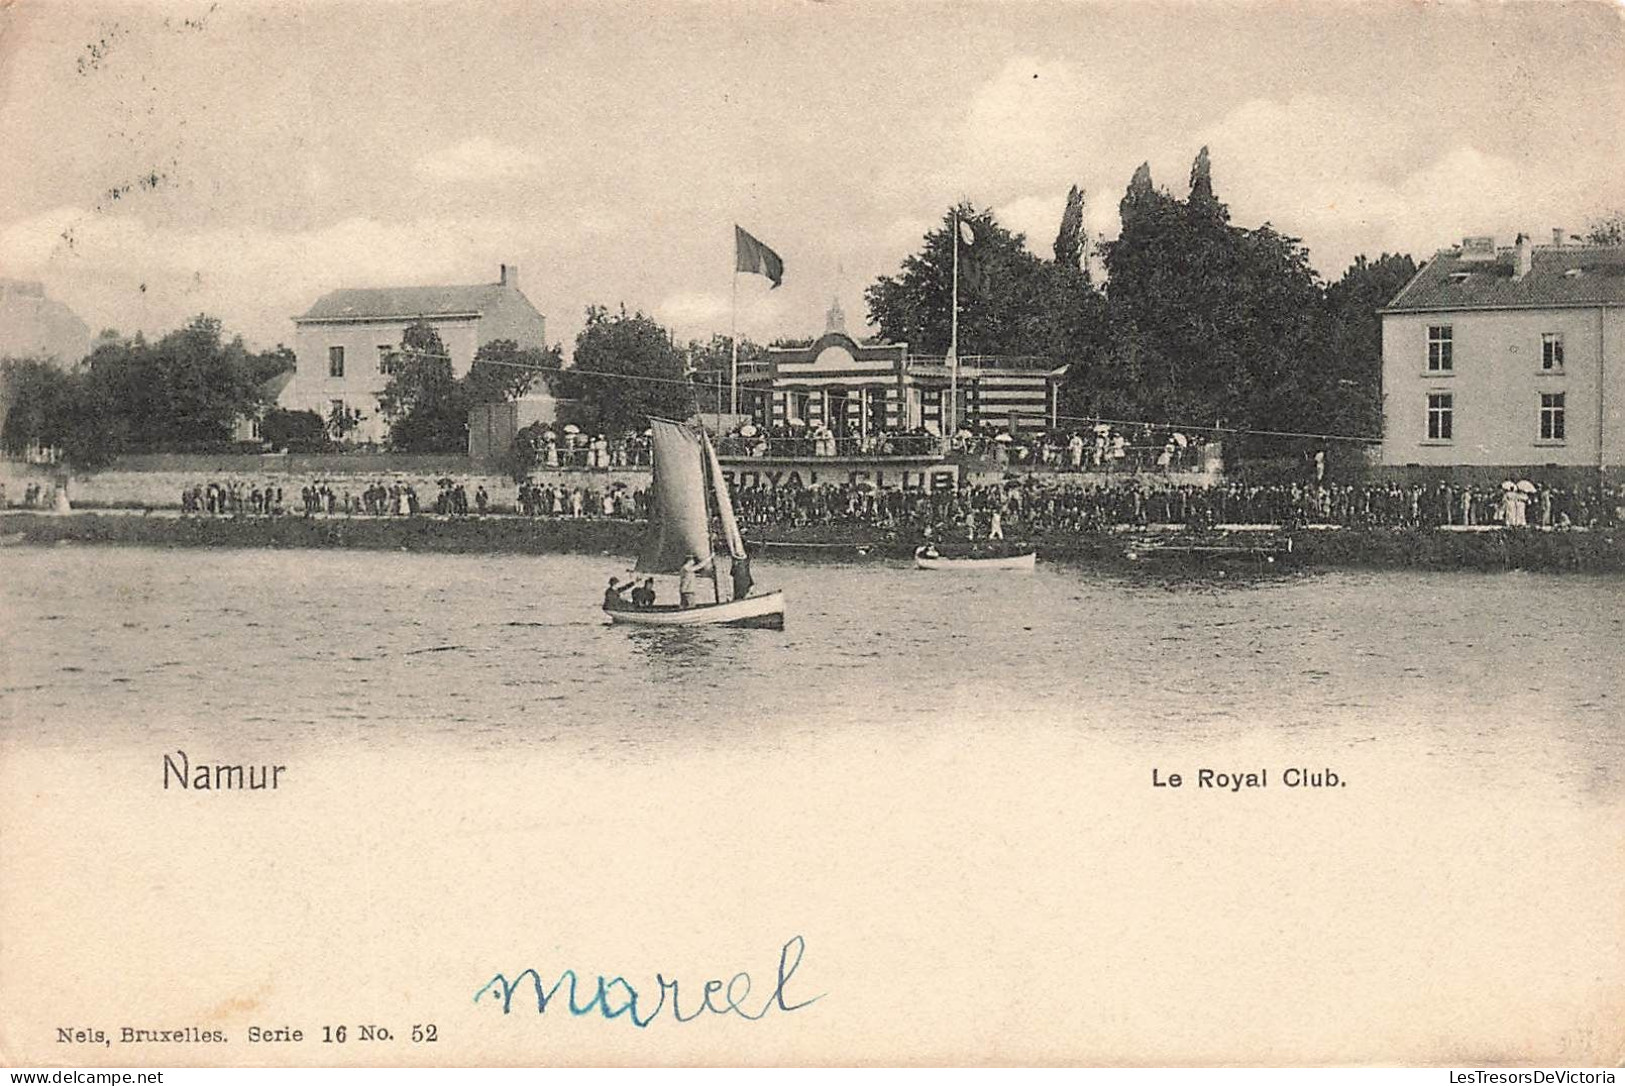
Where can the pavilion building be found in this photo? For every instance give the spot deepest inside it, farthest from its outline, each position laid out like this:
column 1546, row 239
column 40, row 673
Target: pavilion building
column 860, row 389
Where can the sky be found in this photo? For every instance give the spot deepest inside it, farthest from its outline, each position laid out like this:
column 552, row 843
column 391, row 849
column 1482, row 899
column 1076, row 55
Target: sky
column 241, row 158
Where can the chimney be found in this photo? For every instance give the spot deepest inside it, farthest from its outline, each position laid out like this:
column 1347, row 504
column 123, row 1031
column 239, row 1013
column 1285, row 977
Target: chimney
column 1557, row 236
column 1525, row 253
column 510, row 276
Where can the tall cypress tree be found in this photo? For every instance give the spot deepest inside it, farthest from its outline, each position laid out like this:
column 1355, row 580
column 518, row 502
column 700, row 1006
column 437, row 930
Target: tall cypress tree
column 1071, row 242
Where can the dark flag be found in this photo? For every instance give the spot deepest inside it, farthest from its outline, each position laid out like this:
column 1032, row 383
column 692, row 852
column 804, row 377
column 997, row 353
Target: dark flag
column 754, row 257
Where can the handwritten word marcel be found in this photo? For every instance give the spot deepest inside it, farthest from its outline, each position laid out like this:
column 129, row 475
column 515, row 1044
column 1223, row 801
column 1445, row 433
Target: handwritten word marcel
column 615, row 996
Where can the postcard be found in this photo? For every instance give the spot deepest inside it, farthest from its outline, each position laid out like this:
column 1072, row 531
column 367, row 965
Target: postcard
column 811, row 534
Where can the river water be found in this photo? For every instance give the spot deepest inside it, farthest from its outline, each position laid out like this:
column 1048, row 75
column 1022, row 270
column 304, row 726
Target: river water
column 922, row 768
column 498, row 652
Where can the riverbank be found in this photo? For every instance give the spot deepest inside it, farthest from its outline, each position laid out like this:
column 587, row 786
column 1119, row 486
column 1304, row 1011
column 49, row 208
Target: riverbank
column 1601, row 551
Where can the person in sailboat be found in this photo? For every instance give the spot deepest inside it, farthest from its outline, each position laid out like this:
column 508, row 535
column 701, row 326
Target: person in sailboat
column 742, row 580
column 643, row 596
column 612, row 595
column 687, row 590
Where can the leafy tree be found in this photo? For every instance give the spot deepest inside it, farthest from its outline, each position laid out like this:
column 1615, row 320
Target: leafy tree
column 502, row 372
column 186, row 390
column 297, row 431
column 38, row 395
column 65, row 411
column 525, row 452
column 626, row 368
column 268, row 364
column 1071, row 243
column 710, row 364
column 1010, row 301
column 1202, row 179
column 1352, row 387
column 1206, row 321
column 426, row 407
column 341, row 422
column 1607, row 229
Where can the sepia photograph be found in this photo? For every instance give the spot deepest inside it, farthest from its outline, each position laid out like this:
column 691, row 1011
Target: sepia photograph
column 579, row 533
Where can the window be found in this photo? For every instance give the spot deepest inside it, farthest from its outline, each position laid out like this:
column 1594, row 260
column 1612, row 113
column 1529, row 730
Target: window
column 335, row 361
column 1551, row 416
column 1440, row 342
column 1441, row 416
column 336, row 407
column 1551, row 351
column 387, row 358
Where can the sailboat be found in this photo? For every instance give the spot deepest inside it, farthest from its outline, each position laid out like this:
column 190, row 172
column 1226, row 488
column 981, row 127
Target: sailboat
column 686, row 470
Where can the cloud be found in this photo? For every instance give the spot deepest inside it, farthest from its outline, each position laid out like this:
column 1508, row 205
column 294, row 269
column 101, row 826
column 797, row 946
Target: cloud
column 144, row 276
column 1039, row 217
column 1037, row 116
column 479, row 158
column 693, row 308
column 1350, row 181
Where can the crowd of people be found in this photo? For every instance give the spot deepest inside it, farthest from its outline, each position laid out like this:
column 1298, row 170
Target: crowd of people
column 571, row 447
column 1098, row 447
column 37, row 496
column 1022, row 504
column 1033, row 506
column 236, row 497
column 799, row 439
column 557, row 500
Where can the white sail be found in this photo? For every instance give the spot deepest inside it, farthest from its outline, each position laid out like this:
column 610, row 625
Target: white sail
column 677, row 524
column 725, row 505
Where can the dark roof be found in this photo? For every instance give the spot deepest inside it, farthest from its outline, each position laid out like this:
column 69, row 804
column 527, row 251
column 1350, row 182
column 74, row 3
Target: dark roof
column 272, row 386
column 1560, row 275
column 376, row 303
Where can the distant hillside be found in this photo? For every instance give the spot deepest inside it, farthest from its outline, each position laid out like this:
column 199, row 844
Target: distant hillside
column 34, row 326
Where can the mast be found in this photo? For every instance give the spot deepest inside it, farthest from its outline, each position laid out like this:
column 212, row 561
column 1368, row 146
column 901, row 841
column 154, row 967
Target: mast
column 705, row 496
column 733, row 341
column 951, row 424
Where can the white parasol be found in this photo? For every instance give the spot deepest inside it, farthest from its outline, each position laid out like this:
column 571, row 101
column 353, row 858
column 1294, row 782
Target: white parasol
column 1526, row 486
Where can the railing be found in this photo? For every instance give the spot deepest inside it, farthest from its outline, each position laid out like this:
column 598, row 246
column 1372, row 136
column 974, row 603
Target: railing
column 810, row 446
column 987, row 361
column 914, row 361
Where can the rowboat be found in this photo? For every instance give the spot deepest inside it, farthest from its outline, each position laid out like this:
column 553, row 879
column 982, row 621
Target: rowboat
column 923, row 560
column 687, row 476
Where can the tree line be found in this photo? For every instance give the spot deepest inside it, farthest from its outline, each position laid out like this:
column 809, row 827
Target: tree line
column 183, row 391
column 1199, row 323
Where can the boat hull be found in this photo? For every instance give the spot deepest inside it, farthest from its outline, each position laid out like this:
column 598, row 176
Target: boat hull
column 764, row 612
column 1016, row 562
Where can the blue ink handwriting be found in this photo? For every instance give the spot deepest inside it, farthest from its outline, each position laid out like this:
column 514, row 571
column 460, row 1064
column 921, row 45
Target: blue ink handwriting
column 613, row 997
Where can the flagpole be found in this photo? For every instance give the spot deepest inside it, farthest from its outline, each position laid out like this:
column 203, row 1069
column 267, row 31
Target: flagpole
column 952, row 424
column 733, row 340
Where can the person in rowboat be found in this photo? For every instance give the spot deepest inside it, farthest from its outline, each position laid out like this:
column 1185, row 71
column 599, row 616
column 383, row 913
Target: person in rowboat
column 612, row 595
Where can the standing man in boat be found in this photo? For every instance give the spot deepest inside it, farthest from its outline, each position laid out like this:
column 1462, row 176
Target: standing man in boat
column 686, row 588
column 742, row 580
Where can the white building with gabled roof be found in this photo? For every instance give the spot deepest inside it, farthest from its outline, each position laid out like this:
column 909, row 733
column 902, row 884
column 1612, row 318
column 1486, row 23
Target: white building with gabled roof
column 346, row 342
column 1509, row 360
